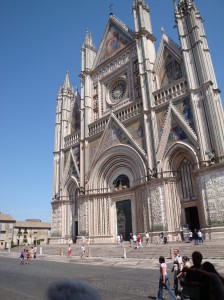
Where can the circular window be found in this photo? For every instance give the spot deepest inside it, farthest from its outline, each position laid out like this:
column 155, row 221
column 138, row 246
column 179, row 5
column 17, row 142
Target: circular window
column 117, row 91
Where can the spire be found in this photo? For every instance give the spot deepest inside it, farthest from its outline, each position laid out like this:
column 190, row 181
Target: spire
column 66, row 84
column 89, row 39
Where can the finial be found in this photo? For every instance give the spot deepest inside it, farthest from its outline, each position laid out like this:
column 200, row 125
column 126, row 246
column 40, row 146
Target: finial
column 163, row 30
column 66, row 84
column 110, row 9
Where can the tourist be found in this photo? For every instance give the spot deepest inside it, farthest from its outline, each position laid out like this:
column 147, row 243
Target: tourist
column 121, row 239
column 190, row 235
column 69, row 251
column 83, row 250
column 181, row 276
column 146, row 238
column 118, row 239
column 28, row 258
column 32, row 252
column 35, row 251
column 164, row 281
column 177, row 268
column 139, row 242
column 134, row 240
column 196, row 286
column 22, row 256
column 200, row 239
column 74, row 290
column 195, row 237
column 216, row 281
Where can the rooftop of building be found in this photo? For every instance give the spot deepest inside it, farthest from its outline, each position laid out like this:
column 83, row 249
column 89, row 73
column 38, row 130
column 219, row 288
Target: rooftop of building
column 6, row 218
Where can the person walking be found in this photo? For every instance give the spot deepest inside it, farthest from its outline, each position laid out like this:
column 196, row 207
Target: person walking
column 69, row 251
column 177, row 268
column 139, row 242
column 134, row 241
column 164, row 281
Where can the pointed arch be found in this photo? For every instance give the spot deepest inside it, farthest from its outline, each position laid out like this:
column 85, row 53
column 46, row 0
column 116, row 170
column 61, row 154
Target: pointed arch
column 115, row 161
column 176, row 153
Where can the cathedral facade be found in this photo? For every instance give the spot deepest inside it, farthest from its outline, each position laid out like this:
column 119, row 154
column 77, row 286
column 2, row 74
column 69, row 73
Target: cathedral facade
column 141, row 148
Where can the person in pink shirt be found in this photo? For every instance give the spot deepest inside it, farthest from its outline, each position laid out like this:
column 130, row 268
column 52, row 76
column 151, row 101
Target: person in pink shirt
column 164, row 281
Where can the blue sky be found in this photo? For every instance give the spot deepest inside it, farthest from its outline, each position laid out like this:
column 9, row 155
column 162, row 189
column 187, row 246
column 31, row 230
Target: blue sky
column 40, row 40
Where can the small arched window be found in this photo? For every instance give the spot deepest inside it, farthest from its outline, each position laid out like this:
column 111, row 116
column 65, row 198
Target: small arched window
column 121, row 182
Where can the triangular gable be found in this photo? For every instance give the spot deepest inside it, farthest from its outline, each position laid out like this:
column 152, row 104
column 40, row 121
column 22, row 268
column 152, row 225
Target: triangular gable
column 115, row 133
column 167, row 48
column 71, row 168
column 175, row 128
column 116, row 37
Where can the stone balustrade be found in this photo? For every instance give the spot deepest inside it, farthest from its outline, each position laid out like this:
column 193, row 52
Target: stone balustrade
column 171, row 92
column 124, row 114
column 72, row 139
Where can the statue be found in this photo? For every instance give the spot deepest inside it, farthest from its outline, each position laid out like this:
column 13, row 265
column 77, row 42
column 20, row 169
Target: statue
column 211, row 156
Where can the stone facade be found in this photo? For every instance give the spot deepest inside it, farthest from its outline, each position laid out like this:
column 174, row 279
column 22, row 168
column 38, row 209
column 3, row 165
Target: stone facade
column 142, row 148
column 6, row 230
column 31, row 232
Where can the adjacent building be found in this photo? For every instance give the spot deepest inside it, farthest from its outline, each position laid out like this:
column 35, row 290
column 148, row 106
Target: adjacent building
column 142, row 147
column 6, row 230
column 32, row 232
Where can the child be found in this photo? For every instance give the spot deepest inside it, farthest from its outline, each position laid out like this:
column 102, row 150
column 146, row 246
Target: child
column 163, row 281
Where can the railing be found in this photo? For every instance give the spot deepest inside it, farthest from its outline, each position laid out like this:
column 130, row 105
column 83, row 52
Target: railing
column 124, row 114
column 72, row 139
column 170, row 92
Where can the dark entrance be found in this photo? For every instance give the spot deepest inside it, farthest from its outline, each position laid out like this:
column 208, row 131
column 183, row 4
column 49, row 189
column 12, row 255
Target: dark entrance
column 124, row 222
column 192, row 219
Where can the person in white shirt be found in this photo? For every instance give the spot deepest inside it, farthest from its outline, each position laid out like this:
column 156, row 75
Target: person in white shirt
column 177, row 268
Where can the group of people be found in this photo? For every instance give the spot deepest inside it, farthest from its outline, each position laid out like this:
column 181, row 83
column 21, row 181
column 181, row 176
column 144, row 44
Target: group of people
column 135, row 241
column 196, row 282
column 196, row 235
column 26, row 255
column 83, row 250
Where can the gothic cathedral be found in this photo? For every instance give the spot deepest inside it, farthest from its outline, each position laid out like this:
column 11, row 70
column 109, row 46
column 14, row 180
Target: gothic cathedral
column 142, row 148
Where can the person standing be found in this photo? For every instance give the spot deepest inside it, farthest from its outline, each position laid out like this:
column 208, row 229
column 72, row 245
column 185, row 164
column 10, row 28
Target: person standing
column 83, row 250
column 200, row 239
column 195, row 237
column 35, row 252
column 146, row 238
column 32, row 252
column 164, row 281
column 118, row 239
column 22, row 256
column 177, row 268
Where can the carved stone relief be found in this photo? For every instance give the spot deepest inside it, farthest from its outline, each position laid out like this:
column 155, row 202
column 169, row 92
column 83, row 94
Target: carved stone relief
column 213, row 197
